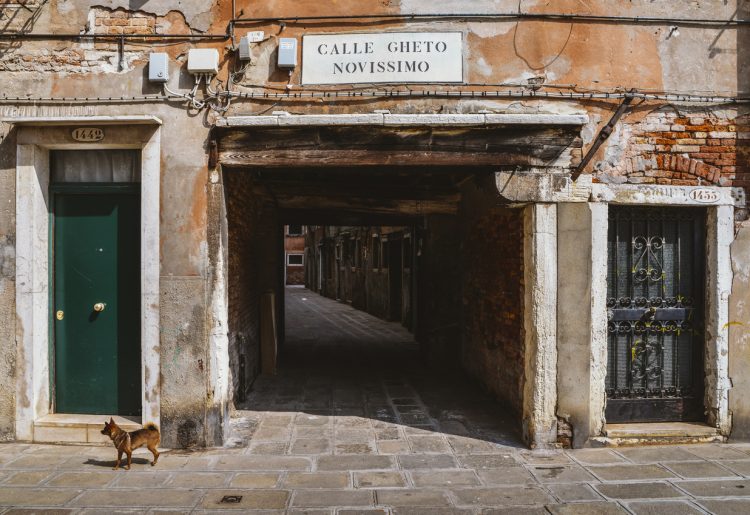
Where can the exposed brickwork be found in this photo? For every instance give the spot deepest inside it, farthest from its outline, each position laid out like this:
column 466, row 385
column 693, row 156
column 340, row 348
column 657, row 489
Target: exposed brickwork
column 120, row 21
column 243, row 214
column 493, row 348
column 680, row 149
column 295, row 275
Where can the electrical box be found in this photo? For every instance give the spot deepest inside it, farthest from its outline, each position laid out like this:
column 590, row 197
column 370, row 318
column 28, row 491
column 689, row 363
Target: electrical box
column 287, row 53
column 203, row 60
column 246, row 41
column 158, row 67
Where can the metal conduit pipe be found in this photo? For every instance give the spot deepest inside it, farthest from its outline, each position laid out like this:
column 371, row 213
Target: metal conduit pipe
column 112, row 37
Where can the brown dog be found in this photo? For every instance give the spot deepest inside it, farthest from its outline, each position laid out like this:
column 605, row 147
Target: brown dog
column 127, row 442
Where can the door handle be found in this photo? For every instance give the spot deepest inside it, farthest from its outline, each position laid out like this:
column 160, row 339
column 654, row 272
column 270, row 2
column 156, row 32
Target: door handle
column 99, row 307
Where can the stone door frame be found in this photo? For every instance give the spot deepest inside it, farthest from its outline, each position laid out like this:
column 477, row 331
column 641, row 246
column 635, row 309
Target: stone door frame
column 582, row 327
column 35, row 138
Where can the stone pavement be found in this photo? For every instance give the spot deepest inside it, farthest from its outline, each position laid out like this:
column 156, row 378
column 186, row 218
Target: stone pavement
column 353, row 424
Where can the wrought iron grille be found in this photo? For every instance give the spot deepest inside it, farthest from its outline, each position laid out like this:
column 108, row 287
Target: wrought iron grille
column 655, row 303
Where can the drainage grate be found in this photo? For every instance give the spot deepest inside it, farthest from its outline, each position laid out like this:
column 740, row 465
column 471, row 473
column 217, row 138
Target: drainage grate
column 231, row 499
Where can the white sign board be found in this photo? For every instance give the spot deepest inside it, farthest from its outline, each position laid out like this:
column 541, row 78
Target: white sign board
column 395, row 57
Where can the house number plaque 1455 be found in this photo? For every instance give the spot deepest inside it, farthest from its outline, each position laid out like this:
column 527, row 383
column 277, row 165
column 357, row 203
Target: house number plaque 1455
column 88, row 134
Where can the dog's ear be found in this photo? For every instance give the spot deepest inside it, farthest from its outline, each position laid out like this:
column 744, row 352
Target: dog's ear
column 111, row 421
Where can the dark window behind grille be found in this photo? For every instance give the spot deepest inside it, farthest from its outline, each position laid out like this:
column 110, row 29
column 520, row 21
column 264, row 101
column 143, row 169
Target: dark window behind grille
column 655, row 314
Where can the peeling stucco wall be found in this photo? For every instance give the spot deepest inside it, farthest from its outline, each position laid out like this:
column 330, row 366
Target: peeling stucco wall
column 588, row 55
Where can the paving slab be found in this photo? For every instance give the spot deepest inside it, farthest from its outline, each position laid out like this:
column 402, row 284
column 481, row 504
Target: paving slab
column 403, row 498
column 515, row 510
column 379, row 479
column 251, row 499
column 393, row 447
column 333, row 498
column 663, row 508
column 594, row 508
column 726, row 506
column 518, row 495
column 252, row 462
column 655, row 454
column 27, row 478
column 355, row 462
column 296, row 480
column 142, row 480
column 130, row 498
column 561, row 474
column 426, row 461
column 430, row 510
column 51, row 497
column 355, row 448
column 700, row 469
column 199, row 480
column 506, row 476
column 429, row 444
column 596, row 456
column 255, row 480
column 488, row 461
column 716, row 452
column 638, row 490
column 83, row 479
column 569, row 492
column 310, row 446
column 626, row 472
column 544, row 457
column 444, row 478
column 720, row 488
column 740, row 467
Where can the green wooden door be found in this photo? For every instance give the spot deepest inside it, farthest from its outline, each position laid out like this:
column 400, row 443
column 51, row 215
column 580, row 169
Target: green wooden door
column 97, row 260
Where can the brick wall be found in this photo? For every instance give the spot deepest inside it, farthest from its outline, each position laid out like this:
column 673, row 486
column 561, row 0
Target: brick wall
column 243, row 217
column 492, row 332
column 120, row 21
column 686, row 148
column 295, row 275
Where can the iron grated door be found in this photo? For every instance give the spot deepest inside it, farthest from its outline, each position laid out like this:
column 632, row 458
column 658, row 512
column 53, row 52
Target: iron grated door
column 655, row 314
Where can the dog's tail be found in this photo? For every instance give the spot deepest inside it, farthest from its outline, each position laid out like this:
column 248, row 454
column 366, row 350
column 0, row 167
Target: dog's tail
column 151, row 427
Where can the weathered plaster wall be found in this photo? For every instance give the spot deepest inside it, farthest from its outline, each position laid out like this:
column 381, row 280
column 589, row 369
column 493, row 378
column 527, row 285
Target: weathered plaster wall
column 590, row 55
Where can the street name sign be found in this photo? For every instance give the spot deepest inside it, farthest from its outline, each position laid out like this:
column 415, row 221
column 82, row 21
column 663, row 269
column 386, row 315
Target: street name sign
column 385, row 57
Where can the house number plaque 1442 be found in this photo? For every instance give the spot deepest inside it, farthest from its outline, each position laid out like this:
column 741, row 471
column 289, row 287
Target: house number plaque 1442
column 88, row 134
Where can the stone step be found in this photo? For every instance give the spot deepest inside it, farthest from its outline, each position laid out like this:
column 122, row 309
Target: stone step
column 70, row 428
column 659, row 433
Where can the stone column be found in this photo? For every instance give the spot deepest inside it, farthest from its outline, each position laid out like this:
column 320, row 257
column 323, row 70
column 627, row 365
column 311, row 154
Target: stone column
column 582, row 317
column 540, row 325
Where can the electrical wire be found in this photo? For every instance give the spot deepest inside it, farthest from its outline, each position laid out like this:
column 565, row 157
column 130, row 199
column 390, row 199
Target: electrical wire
column 343, row 95
column 565, row 17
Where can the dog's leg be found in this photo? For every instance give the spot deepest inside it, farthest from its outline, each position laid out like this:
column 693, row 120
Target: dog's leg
column 130, row 458
column 119, row 457
column 152, row 448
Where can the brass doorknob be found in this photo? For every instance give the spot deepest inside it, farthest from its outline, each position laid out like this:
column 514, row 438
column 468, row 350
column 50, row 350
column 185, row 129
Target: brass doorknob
column 99, row 307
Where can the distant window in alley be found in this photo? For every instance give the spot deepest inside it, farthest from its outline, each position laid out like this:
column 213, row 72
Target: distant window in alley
column 295, row 259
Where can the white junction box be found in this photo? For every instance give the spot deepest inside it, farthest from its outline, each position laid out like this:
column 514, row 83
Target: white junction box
column 287, row 53
column 246, row 41
column 158, row 67
column 203, row 60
